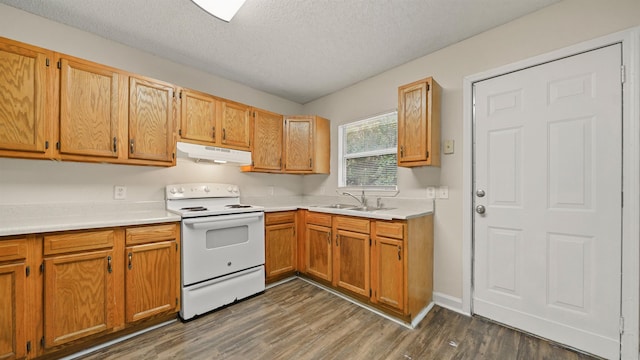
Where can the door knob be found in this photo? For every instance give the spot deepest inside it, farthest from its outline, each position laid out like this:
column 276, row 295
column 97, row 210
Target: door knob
column 480, row 209
column 480, row 193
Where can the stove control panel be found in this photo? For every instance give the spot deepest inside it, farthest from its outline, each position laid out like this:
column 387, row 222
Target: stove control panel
column 201, row 190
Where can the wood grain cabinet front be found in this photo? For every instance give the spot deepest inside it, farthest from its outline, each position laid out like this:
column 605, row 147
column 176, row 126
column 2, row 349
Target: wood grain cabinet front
column 280, row 245
column 267, row 142
column 419, row 123
column 236, row 125
column 351, row 254
column 307, row 146
column 152, row 275
column 26, row 80
column 13, row 298
column 198, row 120
column 80, row 280
column 318, row 246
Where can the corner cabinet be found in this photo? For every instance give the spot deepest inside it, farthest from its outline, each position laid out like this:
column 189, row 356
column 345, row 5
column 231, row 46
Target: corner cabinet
column 307, row 145
column 26, row 83
column 152, row 274
column 280, row 245
column 419, row 123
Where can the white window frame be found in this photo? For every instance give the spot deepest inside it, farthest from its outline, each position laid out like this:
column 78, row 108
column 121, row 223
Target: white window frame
column 383, row 189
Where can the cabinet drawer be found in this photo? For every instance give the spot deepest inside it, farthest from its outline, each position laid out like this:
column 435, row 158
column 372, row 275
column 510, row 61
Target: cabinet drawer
column 14, row 249
column 279, row 217
column 318, row 218
column 392, row 230
column 352, row 224
column 153, row 233
column 78, row 241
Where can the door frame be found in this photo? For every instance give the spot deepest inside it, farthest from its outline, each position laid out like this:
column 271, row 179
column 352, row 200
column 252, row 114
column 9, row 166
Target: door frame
column 630, row 307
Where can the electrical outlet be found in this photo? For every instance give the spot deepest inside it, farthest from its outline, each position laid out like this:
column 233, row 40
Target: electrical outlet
column 443, row 192
column 448, row 147
column 431, row 192
column 119, row 192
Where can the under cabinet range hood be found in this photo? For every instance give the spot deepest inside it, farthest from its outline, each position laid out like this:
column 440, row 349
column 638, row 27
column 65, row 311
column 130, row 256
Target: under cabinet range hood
column 214, row 154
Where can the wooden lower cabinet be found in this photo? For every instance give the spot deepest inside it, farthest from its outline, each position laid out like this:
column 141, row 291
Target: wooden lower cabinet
column 152, row 276
column 387, row 264
column 280, row 245
column 63, row 292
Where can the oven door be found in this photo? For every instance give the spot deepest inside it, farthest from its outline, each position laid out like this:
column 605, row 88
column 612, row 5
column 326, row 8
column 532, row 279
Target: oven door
column 213, row 246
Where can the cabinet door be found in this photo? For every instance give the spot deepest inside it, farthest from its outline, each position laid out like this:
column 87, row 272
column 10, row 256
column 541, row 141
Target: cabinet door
column 318, row 249
column 298, row 144
column 267, row 141
column 236, row 125
column 351, row 271
column 280, row 245
column 23, row 87
column 89, row 109
column 79, row 296
column 150, row 280
column 12, row 311
column 198, row 120
column 151, row 120
column 388, row 258
column 412, row 123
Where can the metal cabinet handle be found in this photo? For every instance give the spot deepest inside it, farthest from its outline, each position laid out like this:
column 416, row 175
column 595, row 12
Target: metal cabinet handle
column 480, row 209
column 399, row 252
column 401, row 151
column 214, row 132
column 130, row 255
column 224, row 134
column 115, row 144
column 109, row 269
column 131, row 145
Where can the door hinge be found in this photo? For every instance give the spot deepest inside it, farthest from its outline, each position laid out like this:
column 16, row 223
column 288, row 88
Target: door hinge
column 46, row 62
column 42, row 268
column 623, row 76
column 370, row 292
column 46, row 145
column 427, row 154
column 29, row 346
column 428, row 87
column 180, row 96
column 28, row 270
column 57, row 145
column 621, row 325
column 369, row 241
column 42, row 342
column 176, row 246
column 59, row 64
column 180, row 132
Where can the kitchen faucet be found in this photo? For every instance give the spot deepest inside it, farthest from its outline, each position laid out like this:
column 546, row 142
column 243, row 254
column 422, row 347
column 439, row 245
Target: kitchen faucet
column 362, row 200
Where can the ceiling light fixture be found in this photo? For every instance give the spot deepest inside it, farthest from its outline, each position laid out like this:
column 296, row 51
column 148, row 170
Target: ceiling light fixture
column 222, row 9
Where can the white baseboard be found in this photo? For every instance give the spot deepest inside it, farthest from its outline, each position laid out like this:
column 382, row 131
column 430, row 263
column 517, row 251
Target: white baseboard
column 449, row 302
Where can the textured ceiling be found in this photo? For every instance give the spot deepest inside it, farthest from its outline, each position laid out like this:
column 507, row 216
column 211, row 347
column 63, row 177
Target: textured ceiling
column 297, row 49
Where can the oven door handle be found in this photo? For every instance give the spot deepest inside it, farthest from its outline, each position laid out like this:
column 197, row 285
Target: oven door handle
column 221, row 221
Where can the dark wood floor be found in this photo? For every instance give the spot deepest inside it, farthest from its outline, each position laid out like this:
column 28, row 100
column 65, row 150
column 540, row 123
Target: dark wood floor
column 297, row 320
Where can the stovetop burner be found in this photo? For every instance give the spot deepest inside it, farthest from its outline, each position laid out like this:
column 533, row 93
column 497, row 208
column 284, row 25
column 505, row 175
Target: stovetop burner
column 237, row 206
column 194, row 208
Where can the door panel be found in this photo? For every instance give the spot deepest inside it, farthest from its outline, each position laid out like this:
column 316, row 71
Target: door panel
column 547, row 250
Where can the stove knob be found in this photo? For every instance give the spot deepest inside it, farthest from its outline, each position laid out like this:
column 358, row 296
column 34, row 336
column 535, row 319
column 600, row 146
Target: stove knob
column 173, row 190
column 181, row 190
column 206, row 189
column 235, row 189
column 230, row 189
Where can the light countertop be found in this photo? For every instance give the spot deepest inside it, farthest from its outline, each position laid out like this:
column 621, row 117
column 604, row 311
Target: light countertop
column 41, row 218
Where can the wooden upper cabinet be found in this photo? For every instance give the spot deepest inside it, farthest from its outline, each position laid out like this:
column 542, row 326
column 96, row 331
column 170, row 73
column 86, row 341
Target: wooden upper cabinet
column 90, row 108
column 151, row 121
column 267, row 141
column 235, row 124
column 419, row 123
column 198, row 117
column 26, row 87
column 306, row 145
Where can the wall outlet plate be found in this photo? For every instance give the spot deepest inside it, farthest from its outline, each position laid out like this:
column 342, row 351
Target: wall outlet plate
column 448, row 147
column 119, row 192
column 443, row 192
column 431, row 192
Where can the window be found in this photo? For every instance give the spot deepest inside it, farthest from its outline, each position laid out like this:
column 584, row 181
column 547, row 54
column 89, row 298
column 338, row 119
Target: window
column 367, row 153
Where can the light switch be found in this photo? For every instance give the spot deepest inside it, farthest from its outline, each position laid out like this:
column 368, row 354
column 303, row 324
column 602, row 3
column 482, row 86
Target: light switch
column 448, row 146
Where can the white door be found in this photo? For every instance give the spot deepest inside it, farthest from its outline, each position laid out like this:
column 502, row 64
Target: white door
column 548, row 157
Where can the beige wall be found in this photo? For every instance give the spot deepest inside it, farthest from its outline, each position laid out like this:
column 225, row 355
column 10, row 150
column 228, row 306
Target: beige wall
column 48, row 181
column 566, row 23
column 561, row 25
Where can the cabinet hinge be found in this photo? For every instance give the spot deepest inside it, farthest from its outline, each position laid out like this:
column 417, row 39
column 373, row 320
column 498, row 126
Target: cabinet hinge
column 428, row 87
column 176, row 246
column 622, row 74
column 369, row 241
column 427, row 154
column 180, row 95
column 370, row 292
column 29, row 346
column 46, row 62
column 57, row 145
column 42, row 342
column 180, row 132
column 59, row 64
column 28, row 270
column 173, row 155
column 46, row 145
column 42, row 268
column 621, row 329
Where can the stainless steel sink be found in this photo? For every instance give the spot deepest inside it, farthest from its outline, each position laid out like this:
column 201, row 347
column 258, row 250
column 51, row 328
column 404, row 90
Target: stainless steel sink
column 370, row 208
column 338, row 206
